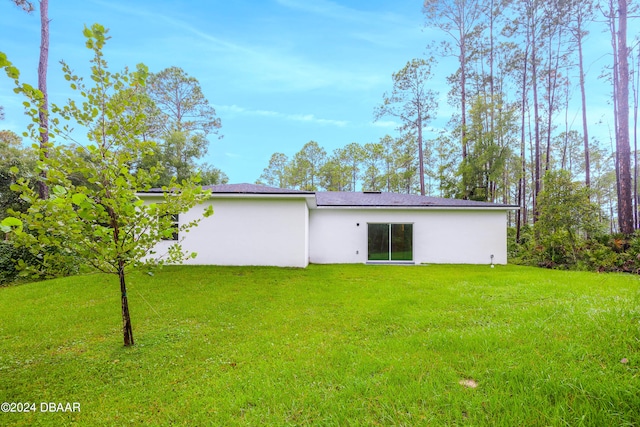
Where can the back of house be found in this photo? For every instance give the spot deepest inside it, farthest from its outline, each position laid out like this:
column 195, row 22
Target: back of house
column 259, row 225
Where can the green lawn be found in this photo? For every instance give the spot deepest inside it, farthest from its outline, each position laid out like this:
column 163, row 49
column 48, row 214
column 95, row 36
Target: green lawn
column 327, row 345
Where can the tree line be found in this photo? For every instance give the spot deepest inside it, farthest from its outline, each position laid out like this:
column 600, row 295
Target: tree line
column 517, row 62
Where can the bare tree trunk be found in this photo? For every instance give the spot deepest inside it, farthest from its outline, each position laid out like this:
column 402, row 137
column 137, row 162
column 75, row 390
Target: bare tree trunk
column 463, row 94
column 636, row 88
column 623, row 148
column 615, row 75
column 552, row 81
column 565, row 150
column 491, row 62
column 126, row 318
column 420, row 153
column 521, row 219
column 43, row 189
column 536, row 124
column 585, row 129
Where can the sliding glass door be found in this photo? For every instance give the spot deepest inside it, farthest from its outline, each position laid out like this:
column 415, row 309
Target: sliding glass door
column 390, row 242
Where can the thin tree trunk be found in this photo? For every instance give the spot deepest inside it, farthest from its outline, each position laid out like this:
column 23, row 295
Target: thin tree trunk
column 585, row 129
column 420, row 153
column 463, row 96
column 623, row 148
column 615, row 74
column 522, row 182
column 636, row 88
column 552, row 92
column 43, row 189
column 491, row 62
column 126, row 318
column 536, row 124
column 566, row 153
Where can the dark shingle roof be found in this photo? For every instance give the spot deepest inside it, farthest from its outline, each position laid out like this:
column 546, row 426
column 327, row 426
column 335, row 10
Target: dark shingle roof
column 352, row 199
column 251, row 189
column 379, row 199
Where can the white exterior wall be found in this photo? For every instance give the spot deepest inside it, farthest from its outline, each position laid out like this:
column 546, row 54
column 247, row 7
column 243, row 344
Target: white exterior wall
column 248, row 231
column 439, row 236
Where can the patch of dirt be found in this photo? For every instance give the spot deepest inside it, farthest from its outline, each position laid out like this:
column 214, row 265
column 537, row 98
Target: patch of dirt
column 468, row 383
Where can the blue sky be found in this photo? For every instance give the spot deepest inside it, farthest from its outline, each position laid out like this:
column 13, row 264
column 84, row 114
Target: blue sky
column 278, row 72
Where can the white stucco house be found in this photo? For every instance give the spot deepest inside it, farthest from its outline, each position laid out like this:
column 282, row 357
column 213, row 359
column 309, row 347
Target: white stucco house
column 259, row 225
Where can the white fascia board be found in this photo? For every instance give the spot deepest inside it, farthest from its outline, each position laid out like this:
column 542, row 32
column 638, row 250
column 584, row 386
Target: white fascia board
column 309, row 198
column 423, row 208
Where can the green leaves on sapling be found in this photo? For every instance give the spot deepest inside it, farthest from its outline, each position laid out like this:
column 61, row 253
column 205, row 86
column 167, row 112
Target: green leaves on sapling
column 11, row 224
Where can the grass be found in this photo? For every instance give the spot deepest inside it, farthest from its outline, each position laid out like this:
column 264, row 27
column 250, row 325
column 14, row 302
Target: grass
column 327, row 345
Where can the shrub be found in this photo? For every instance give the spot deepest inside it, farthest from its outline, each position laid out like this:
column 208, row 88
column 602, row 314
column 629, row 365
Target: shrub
column 602, row 253
column 9, row 256
column 18, row 262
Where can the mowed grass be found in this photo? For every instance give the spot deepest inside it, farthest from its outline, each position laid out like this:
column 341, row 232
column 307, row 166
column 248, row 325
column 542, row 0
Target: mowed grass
column 327, row 345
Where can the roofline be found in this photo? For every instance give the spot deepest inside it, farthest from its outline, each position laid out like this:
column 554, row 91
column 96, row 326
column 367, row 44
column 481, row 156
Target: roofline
column 310, row 197
column 237, row 193
column 423, row 207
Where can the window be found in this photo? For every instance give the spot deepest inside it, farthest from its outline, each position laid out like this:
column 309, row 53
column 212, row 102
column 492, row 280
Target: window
column 175, row 226
column 390, row 242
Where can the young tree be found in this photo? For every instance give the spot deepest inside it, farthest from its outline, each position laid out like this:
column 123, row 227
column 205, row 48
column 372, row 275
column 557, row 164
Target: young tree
column 99, row 219
column 412, row 102
column 566, row 217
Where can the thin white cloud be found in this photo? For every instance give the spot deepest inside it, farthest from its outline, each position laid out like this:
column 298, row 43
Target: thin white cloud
column 386, row 124
column 323, row 8
column 337, row 11
column 177, row 23
column 379, row 28
column 308, row 118
column 271, row 68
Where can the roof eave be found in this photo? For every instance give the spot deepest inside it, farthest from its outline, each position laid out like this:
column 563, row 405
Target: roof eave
column 310, row 198
column 422, row 207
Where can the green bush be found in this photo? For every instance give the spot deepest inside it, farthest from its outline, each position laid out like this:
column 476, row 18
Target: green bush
column 9, row 256
column 602, row 253
column 18, row 263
